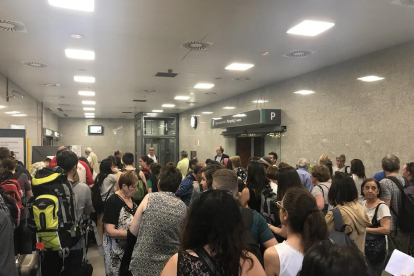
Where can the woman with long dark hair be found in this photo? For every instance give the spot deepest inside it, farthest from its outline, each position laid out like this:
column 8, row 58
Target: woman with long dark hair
column 256, row 182
column 286, row 179
column 358, row 175
column 305, row 226
column 211, row 235
column 105, row 185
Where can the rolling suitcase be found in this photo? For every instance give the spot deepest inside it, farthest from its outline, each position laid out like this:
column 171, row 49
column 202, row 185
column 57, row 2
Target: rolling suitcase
column 28, row 264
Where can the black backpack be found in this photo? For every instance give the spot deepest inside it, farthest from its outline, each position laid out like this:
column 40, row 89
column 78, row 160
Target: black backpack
column 248, row 238
column 268, row 207
column 405, row 218
column 338, row 236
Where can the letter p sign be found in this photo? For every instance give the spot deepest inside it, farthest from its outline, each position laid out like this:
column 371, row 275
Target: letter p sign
column 272, row 115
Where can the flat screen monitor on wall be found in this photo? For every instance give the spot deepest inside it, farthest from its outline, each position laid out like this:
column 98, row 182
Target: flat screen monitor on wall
column 93, row 129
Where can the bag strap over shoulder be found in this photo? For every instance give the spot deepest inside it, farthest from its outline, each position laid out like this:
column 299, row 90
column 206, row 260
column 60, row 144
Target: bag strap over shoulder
column 374, row 220
column 206, row 259
column 338, row 221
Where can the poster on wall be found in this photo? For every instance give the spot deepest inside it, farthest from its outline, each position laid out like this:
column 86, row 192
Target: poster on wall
column 15, row 144
column 76, row 149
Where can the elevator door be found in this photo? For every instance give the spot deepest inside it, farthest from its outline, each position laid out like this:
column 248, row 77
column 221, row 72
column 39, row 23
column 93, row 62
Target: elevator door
column 248, row 147
column 164, row 149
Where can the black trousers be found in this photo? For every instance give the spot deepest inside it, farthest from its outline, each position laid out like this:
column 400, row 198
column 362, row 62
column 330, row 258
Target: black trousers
column 52, row 263
column 23, row 238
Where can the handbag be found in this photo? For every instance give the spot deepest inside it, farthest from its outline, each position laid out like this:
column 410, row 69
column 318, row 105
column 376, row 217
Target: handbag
column 375, row 245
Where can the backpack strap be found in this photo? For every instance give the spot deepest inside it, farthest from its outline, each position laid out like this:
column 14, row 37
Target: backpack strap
column 206, row 259
column 400, row 187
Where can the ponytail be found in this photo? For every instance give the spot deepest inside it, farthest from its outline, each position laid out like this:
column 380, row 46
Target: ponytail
column 314, row 229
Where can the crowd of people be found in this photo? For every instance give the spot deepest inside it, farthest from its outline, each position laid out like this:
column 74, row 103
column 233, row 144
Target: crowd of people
column 218, row 218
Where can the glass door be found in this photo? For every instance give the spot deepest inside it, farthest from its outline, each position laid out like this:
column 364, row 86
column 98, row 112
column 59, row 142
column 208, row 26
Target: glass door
column 164, row 148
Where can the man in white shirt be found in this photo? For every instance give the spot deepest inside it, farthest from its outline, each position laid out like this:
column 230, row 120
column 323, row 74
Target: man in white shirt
column 151, row 154
column 93, row 160
column 340, row 165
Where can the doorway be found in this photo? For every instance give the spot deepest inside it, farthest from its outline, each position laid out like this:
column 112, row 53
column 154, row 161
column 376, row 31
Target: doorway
column 164, row 148
column 247, row 147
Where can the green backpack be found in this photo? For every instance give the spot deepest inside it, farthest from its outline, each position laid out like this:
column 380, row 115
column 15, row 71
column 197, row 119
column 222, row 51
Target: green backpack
column 140, row 193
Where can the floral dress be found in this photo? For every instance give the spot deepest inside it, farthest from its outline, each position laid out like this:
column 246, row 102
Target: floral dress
column 118, row 213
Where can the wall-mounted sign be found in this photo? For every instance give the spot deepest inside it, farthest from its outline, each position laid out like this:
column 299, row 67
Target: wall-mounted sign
column 15, row 144
column 56, row 134
column 254, row 117
column 48, row 132
column 12, row 126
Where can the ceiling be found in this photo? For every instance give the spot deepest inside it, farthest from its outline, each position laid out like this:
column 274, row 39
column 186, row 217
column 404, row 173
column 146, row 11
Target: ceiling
column 133, row 40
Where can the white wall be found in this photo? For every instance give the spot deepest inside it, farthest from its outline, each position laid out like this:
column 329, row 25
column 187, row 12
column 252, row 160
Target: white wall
column 50, row 120
column 362, row 120
column 118, row 135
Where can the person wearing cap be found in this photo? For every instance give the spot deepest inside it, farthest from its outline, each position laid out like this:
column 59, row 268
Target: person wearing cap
column 265, row 161
column 184, row 164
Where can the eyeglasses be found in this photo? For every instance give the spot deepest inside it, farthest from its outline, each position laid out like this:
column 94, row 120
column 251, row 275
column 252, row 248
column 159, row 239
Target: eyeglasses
column 279, row 205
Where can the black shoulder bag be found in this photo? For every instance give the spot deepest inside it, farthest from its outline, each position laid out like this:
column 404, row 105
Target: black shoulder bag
column 375, row 245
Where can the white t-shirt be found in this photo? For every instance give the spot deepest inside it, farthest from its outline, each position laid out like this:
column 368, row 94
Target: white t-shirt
column 336, row 169
column 383, row 211
column 81, row 173
column 273, row 185
column 358, row 182
column 154, row 158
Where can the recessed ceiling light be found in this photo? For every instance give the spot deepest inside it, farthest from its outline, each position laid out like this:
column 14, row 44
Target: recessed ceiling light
column 204, row 85
column 370, row 78
column 86, row 93
column 195, row 115
column 168, row 105
column 239, row 115
column 89, row 114
column 84, row 79
column 19, row 115
column 89, row 108
column 239, row 66
column 181, row 98
column 80, row 54
column 304, row 92
column 191, row 93
column 260, row 101
column 218, row 118
column 77, row 36
column 310, row 28
column 79, row 5
column 2, row 106
column 89, row 117
column 157, row 111
column 89, row 102
column 229, row 107
column 207, row 112
column 265, row 53
column 51, row 84
column 12, row 112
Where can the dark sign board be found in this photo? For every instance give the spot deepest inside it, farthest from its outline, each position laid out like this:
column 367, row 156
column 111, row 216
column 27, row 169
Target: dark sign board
column 254, row 117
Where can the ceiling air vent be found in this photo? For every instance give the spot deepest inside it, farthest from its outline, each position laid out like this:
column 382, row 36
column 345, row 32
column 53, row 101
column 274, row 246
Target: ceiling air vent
column 166, row 75
column 406, row 3
column 126, row 112
column 59, row 97
column 299, row 53
column 51, row 84
column 60, row 109
column 197, row 45
column 34, row 64
column 64, row 104
column 140, row 101
column 12, row 26
column 149, row 90
column 49, row 109
column 211, row 93
column 242, row 79
column 66, row 115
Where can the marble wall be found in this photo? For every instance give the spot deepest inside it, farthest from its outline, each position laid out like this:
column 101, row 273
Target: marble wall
column 359, row 119
column 26, row 105
column 50, row 120
column 118, row 134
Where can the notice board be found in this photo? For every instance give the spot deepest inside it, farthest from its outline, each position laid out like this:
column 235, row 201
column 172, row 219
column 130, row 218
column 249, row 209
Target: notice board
column 14, row 140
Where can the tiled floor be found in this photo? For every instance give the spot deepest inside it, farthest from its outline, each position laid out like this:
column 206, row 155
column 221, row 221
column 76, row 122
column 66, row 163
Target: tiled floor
column 96, row 260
